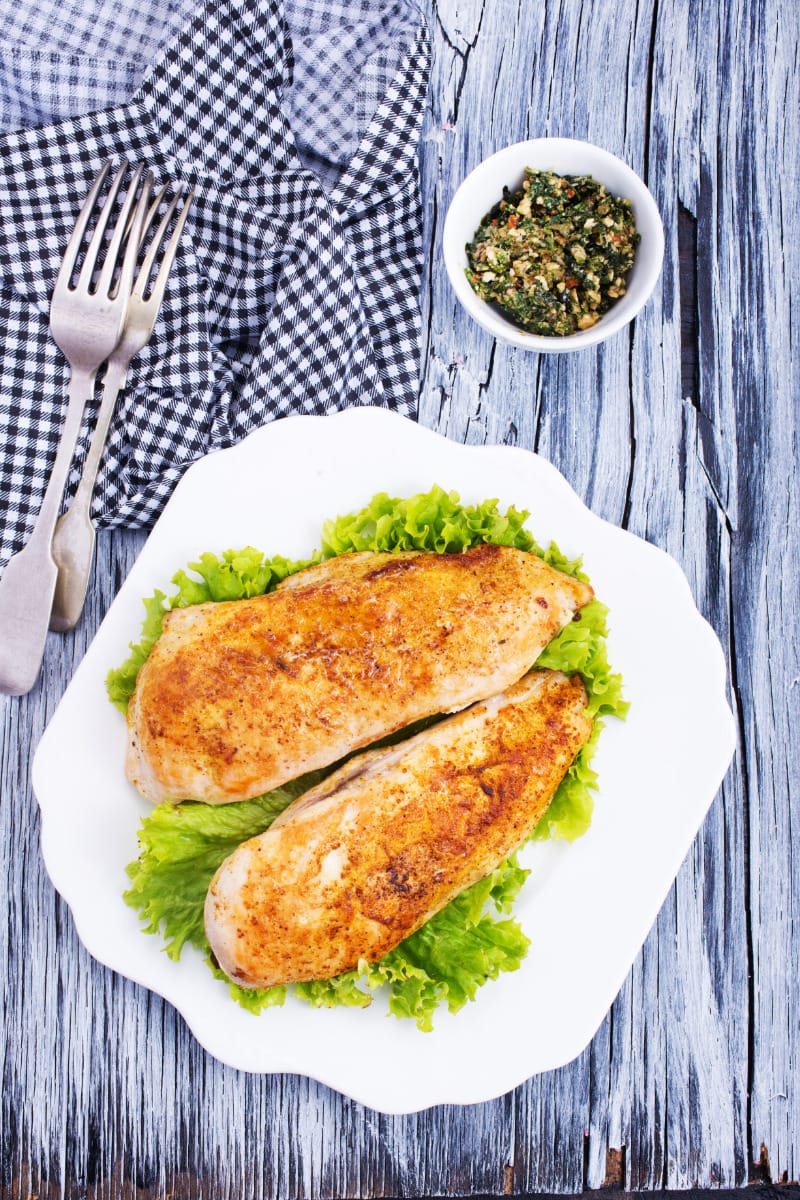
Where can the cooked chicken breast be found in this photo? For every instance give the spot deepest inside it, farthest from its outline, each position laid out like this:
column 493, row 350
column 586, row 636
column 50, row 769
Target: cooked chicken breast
column 238, row 697
column 358, row 863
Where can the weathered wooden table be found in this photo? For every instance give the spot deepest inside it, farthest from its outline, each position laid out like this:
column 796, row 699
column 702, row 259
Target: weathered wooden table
column 683, row 429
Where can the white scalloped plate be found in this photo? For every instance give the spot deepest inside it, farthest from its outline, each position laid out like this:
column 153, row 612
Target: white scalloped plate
column 587, row 907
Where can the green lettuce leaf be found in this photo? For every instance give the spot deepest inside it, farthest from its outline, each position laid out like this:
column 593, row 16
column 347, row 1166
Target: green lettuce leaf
column 181, row 846
column 464, row 945
column 458, row 950
column 121, row 681
column 434, row 521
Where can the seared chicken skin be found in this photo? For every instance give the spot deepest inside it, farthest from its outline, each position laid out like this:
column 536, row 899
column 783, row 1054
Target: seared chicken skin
column 359, row 862
column 240, row 696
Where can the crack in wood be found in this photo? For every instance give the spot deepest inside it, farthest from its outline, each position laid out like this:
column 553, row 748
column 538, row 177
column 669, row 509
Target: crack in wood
column 585, row 1170
column 687, row 294
column 628, row 503
column 484, row 385
column 742, row 751
column 537, row 422
column 464, row 56
column 650, row 92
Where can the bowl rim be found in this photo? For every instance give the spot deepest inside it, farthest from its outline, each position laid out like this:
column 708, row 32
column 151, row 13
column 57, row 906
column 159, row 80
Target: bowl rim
column 505, row 166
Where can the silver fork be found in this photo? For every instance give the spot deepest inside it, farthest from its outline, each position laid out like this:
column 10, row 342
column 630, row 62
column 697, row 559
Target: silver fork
column 86, row 322
column 74, row 537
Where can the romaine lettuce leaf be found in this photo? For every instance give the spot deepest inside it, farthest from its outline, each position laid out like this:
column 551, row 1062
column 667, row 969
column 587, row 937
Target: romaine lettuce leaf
column 182, row 845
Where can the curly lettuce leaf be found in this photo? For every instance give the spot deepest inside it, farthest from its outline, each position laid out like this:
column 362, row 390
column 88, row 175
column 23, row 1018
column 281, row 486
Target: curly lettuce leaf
column 457, row 951
column 435, row 521
column 581, row 648
column 121, row 681
column 180, row 848
column 465, row 944
column 447, row 960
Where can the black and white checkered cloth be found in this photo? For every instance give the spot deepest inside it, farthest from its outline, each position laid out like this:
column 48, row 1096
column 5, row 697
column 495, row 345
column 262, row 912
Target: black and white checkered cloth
column 296, row 287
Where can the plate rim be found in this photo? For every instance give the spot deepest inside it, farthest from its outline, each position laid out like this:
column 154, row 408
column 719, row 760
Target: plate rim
column 372, row 419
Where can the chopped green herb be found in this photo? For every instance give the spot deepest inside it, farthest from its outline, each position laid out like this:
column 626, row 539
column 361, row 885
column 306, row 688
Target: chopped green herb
column 554, row 255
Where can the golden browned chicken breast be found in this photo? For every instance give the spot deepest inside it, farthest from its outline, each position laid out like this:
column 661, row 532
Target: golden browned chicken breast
column 358, row 863
column 240, row 696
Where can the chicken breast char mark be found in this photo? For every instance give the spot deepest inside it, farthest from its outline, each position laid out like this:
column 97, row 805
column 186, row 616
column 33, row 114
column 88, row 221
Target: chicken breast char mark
column 238, row 697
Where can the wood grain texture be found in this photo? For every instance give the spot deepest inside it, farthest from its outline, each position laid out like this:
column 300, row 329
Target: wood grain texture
column 683, row 428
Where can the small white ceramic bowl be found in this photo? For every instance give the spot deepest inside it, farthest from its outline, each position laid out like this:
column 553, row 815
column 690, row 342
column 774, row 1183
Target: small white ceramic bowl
column 483, row 188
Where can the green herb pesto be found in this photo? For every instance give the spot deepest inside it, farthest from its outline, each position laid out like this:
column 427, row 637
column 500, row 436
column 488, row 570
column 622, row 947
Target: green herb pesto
column 554, row 255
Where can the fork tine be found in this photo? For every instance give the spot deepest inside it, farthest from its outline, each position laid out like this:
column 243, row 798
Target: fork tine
column 155, row 246
column 151, row 214
column 93, row 249
column 133, row 244
column 132, row 247
column 147, row 223
column 157, row 294
column 76, row 238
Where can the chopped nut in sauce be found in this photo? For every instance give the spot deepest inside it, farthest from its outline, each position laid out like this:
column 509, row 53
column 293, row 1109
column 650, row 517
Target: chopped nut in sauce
column 558, row 251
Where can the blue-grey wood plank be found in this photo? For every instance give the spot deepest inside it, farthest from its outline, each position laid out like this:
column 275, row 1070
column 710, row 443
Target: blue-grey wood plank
column 683, row 429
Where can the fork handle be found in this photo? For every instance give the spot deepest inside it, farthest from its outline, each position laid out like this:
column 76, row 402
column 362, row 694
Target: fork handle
column 29, row 580
column 74, row 536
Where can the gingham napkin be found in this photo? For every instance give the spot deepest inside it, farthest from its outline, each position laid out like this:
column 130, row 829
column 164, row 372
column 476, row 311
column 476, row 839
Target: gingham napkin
column 296, row 288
